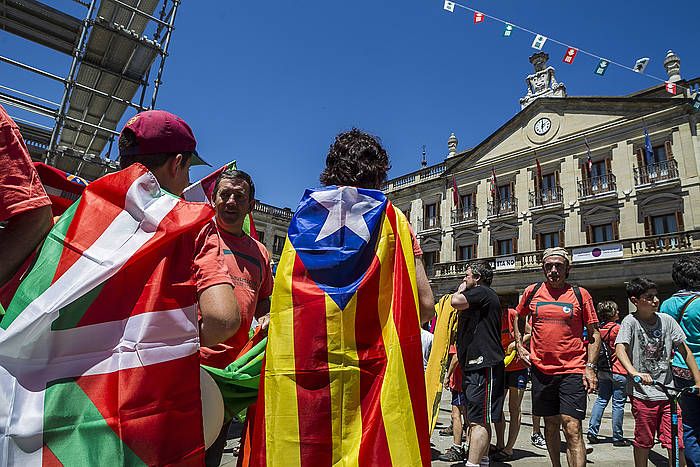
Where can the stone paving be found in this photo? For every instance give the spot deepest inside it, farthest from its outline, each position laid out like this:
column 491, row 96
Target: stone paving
column 604, row 453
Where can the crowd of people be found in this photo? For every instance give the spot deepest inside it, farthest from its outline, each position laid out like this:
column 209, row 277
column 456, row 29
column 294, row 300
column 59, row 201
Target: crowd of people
column 567, row 349
column 555, row 339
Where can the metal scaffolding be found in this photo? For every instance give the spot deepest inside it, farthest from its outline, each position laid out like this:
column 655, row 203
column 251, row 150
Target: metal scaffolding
column 112, row 50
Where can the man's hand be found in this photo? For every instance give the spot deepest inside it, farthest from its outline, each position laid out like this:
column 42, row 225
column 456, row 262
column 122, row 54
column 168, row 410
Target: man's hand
column 264, row 322
column 645, row 377
column 447, row 383
column 462, row 287
column 523, row 354
column 510, row 348
column 590, row 380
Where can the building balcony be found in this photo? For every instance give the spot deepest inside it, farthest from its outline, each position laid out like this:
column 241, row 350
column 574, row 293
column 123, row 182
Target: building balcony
column 430, row 223
column 597, row 186
column 466, row 215
column 280, row 213
column 428, row 173
column 544, row 198
column 503, row 207
column 632, row 248
column 651, row 174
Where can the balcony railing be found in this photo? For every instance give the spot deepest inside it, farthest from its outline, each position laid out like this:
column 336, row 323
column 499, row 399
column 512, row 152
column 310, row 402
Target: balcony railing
column 283, row 213
column 678, row 242
column 427, row 173
column 654, row 173
column 546, row 197
column 430, row 223
column 468, row 214
column 502, row 207
column 597, row 186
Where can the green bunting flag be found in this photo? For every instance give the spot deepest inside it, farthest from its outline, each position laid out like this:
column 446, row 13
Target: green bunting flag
column 602, row 66
column 508, row 30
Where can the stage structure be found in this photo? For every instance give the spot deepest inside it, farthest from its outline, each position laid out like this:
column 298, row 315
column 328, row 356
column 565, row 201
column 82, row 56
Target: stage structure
column 117, row 54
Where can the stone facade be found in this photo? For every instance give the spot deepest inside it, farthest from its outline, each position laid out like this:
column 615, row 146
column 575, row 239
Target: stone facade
column 569, row 171
column 271, row 224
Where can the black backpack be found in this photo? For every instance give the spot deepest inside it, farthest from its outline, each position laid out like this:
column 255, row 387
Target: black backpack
column 604, row 364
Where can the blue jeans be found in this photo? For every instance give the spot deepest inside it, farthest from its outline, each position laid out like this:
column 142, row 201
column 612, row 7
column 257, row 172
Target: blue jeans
column 608, row 388
column 690, row 407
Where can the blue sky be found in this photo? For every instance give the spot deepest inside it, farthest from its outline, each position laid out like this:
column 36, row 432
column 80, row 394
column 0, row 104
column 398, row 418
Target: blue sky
column 271, row 83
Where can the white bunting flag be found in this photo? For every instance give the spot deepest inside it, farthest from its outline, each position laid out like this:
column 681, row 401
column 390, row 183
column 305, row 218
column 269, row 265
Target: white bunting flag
column 449, row 6
column 539, row 41
column 641, row 65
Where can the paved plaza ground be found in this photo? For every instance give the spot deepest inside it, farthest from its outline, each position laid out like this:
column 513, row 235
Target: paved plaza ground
column 604, row 453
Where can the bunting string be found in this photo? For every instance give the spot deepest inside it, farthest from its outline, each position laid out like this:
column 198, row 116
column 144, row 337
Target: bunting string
column 572, row 51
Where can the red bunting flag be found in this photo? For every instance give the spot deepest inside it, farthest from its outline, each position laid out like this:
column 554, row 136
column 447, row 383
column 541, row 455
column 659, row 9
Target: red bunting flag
column 570, row 55
column 671, row 88
column 478, row 17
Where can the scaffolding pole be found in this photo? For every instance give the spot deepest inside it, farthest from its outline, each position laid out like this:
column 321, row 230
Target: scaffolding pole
column 166, row 44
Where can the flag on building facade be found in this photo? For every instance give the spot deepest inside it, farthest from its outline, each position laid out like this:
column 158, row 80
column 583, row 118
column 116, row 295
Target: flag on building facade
column 62, row 187
column 494, row 184
column 449, row 6
column 100, row 342
column 602, row 67
column 456, row 199
column 343, row 379
column 570, row 55
column 508, row 30
column 478, row 17
column 589, row 160
column 539, row 41
column 648, row 149
column 641, row 65
column 671, row 88
column 203, row 190
column 539, row 171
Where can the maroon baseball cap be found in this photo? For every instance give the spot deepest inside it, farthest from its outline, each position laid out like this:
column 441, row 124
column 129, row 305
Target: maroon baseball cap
column 157, row 132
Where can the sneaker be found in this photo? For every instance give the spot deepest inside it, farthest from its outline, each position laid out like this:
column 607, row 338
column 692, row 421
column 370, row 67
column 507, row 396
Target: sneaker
column 453, row 454
column 592, row 439
column 621, row 443
column 538, row 441
column 446, row 431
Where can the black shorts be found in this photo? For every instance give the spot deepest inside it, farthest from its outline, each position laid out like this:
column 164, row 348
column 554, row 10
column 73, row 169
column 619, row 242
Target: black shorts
column 517, row 379
column 558, row 394
column 485, row 390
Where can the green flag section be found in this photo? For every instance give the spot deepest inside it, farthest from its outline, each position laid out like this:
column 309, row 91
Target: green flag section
column 99, row 359
column 239, row 381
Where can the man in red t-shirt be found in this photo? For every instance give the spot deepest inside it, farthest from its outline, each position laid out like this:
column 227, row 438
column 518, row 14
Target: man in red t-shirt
column 563, row 369
column 25, row 208
column 248, row 262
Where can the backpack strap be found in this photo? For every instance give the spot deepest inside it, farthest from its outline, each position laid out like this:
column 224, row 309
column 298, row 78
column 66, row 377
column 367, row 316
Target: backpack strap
column 685, row 305
column 579, row 297
column 528, row 300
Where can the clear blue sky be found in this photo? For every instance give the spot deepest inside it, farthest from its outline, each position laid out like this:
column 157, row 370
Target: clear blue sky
column 271, row 83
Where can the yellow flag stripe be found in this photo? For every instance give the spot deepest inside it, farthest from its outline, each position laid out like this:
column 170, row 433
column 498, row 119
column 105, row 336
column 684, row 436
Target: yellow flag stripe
column 281, row 412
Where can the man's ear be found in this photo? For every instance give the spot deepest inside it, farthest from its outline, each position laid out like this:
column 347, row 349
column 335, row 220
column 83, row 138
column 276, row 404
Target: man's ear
column 634, row 300
column 175, row 165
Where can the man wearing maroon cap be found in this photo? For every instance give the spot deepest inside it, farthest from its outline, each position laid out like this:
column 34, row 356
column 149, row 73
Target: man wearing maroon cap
column 25, row 209
column 166, row 146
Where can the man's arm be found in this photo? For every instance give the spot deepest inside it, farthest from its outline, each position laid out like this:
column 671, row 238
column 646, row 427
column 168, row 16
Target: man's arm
column 458, row 300
column 621, row 353
column 690, row 361
column 262, row 312
column 426, row 300
column 450, row 370
column 20, row 236
column 221, row 315
column 590, row 379
column 519, row 331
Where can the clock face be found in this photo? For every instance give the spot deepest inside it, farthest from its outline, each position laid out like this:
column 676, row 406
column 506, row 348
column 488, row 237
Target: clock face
column 543, row 125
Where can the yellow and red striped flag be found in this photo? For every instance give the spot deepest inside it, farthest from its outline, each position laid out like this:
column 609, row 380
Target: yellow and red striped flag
column 343, row 379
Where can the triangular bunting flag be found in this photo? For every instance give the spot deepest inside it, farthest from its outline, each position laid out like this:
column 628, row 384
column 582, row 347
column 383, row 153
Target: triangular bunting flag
column 449, row 6
column 539, row 41
column 570, row 55
column 602, row 67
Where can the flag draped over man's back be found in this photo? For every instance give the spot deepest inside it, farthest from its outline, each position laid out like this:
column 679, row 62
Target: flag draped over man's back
column 99, row 356
column 343, row 379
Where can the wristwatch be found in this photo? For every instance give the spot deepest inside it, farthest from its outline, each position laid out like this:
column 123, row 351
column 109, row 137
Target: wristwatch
column 591, row 365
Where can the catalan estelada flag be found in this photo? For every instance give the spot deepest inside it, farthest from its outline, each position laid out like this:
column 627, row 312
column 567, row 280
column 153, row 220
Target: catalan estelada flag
column 99, row 348
column 343, row 380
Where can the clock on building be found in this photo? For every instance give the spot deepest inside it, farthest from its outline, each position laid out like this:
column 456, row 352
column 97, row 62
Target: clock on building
column 542, row 126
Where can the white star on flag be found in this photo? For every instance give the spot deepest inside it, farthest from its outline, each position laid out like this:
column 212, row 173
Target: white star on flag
column 346, row 206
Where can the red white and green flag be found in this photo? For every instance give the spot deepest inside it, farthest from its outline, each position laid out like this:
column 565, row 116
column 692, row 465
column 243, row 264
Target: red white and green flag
column 99, row 356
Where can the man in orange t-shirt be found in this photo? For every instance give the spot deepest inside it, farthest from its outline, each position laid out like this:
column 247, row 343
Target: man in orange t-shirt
column 517, row 374
column 248, row 262
column 563, row 369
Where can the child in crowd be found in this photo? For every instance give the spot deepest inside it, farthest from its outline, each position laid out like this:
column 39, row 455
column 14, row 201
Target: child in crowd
column 612, row 377
column 453, row 382
column 645, row 346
